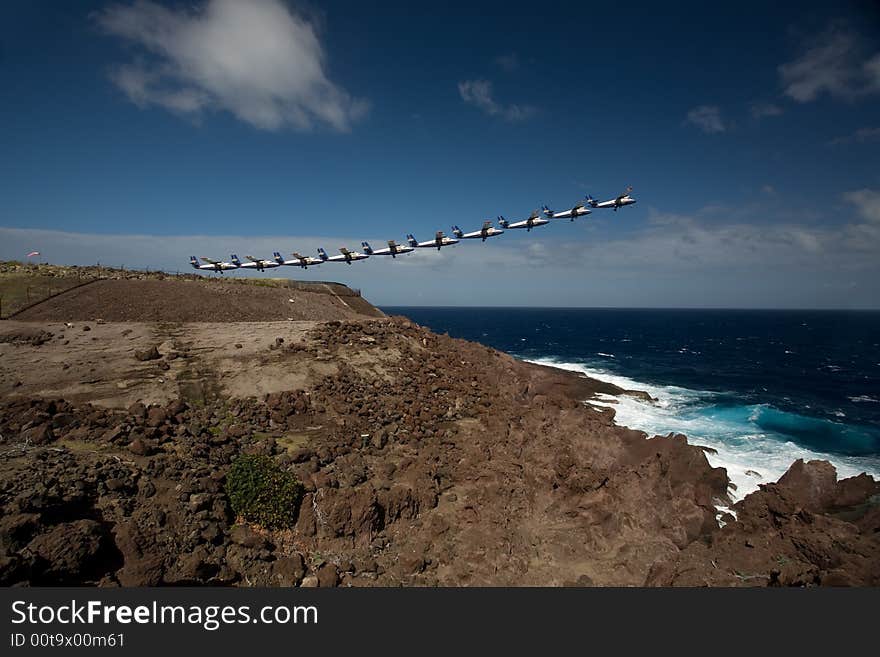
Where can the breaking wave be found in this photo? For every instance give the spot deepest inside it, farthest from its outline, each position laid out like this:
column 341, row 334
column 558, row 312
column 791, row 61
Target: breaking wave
column 756, row 443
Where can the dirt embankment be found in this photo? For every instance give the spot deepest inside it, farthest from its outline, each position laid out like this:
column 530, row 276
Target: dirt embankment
column 426, row 461
column 199, row 300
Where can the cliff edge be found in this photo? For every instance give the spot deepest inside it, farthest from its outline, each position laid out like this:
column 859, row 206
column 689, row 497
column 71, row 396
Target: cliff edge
column 425, row 460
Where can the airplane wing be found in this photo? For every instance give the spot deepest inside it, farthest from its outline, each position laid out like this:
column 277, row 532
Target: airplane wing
column 487, row 225
column 210, row 261
column 626, row 192
column 298, row 256
column 439, row 235
column 344, row 251
column 392, row 244
column 251, row 258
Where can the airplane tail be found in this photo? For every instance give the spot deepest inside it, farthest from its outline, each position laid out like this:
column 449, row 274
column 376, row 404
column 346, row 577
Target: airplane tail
column 235, row 261
column 503, row 222
column 278, row 258
column 367, row 248
column 458, row 232
column 194, row 262
column 411, row 240
column 322, row 253
column 547, row 211
column 591, row 201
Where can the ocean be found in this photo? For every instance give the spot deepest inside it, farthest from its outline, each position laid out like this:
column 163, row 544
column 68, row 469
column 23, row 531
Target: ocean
column 763, row 388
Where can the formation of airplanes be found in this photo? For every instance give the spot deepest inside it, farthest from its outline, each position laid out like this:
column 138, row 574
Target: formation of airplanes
column 534, row 220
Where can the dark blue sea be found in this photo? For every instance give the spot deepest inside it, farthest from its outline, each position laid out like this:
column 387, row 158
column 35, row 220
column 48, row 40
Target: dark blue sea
column 762, row 387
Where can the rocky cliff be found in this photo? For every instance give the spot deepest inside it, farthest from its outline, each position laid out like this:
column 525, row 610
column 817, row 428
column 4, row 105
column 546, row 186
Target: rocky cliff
column 425, row 461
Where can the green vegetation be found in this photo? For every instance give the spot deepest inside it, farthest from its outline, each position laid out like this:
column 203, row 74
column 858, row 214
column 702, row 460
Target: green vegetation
column 262, row 493
column 20, row 290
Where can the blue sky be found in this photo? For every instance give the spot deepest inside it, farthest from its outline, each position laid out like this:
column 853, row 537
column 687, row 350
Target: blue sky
column 138, row 133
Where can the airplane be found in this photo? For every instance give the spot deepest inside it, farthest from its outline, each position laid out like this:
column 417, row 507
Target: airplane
column 577, row 211
column 347, row 256
column 488, row 230
column 211, row 265
column 619, row 202
column 298, row 260
column 533, row 220
column 439, row 240
column 255, row 263
column 393, row 249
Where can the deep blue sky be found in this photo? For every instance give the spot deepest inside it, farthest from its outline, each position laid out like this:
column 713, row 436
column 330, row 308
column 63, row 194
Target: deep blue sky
column 768, row 195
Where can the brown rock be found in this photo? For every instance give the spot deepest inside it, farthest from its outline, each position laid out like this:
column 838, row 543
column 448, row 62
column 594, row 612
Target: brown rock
column 143, row 564
column 156, row 416
column 70, row 552
column 411, row 563
column 41, row 434
column 328, row 576
column 305, row 523
column 137, row 410
column 147, row 354
column 855, row 490
column 309, row 582
column 288, row 571
column 811, row 485
column 176, row 407
column 247, row 537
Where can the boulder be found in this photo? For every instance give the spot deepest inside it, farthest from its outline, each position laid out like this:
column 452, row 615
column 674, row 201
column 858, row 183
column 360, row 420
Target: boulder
column 328, row 576
column 139, row 447
column 137, row 410
column 309, row 582
column 70, row 552
column 855, row 490
column 41, row 434
column 288, row 571
column 811, row 485
column 147, row 354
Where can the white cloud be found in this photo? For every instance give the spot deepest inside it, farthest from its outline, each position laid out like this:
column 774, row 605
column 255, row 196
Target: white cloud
column 834, row 63
column 867, row 203
column 762, row 110
column 707, row 118
column 479, row 94
column 716, row 257
column 860, row 136
column 258, row 59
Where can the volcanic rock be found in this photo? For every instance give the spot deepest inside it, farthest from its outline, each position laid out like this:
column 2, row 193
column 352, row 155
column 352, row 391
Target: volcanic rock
column 147, row 354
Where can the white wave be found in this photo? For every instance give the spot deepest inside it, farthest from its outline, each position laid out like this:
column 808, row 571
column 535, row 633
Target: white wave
column 863, row 398
column 740, row 446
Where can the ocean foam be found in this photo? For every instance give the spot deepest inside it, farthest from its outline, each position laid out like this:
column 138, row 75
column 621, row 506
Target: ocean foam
column 751, row 454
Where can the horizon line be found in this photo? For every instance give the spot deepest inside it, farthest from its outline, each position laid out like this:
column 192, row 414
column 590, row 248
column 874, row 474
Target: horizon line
column 677, row 308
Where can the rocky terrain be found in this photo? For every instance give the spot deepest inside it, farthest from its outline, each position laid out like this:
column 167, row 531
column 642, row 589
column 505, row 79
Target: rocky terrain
column 425, row 460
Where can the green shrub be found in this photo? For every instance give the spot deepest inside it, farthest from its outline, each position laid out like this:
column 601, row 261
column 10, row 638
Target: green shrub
column 262, row 493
